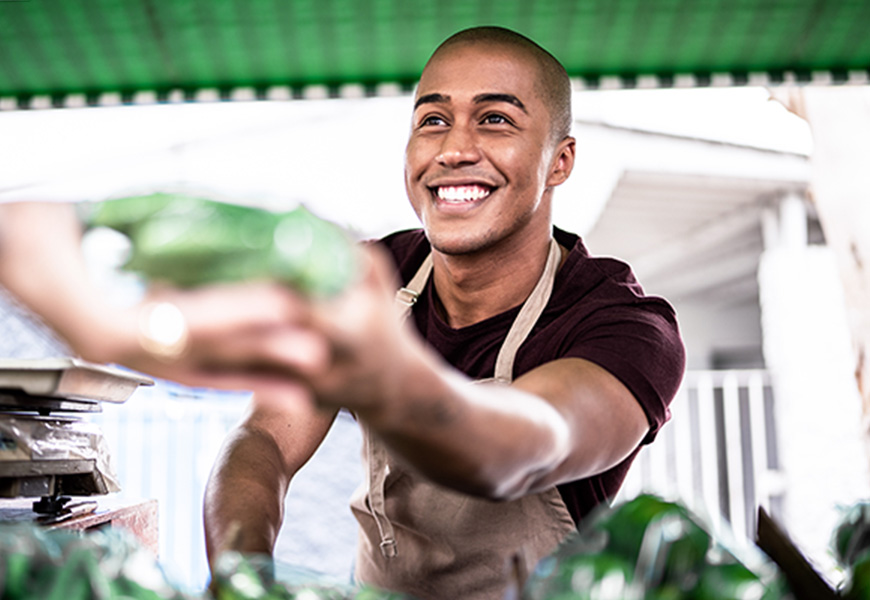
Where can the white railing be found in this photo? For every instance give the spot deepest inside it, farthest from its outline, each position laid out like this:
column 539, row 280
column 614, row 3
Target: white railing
column 163, row 442
column 718, row 454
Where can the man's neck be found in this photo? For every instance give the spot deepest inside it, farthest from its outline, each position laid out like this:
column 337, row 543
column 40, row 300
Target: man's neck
column 477, row 287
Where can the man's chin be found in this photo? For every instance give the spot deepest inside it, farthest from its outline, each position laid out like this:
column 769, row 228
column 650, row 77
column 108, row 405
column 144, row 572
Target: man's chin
column 456, row 245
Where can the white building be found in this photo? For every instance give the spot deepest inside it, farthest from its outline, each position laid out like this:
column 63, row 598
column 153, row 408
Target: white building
column 769, row 414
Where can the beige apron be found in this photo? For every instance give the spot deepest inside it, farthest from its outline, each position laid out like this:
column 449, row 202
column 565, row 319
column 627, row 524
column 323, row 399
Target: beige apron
column 432, row 542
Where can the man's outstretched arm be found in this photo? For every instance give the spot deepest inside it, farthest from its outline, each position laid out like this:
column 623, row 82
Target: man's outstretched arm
column 565, row 420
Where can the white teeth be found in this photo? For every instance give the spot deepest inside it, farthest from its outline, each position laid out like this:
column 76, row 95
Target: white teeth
column 462, row 193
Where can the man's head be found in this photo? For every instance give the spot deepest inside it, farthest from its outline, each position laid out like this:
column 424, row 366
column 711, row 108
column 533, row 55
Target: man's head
column 489, row 141
column 554, row 85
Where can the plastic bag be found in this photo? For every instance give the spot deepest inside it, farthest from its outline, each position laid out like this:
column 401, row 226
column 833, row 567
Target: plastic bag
column 26, row 437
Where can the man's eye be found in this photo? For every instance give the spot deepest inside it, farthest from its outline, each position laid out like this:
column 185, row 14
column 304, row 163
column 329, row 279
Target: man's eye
column 432, row 120
column 495, row 119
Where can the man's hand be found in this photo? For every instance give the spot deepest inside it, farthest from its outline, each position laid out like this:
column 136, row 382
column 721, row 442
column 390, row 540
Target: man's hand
column 240, row 336
column 237, row 336
column 359, row 348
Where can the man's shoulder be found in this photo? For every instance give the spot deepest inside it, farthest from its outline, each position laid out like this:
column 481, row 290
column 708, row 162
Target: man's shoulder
column 600, row 284
column 403, row 238
column 585, row 269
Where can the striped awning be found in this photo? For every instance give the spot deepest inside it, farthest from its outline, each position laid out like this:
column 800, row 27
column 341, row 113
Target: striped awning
column 76, row 52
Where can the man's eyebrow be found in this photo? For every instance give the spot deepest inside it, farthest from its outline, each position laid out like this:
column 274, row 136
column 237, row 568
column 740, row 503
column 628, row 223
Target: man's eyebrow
column 431, row 99
column 437, row 98
column 495, row 97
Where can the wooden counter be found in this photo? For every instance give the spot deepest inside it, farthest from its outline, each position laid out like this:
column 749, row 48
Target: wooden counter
column 139, row 518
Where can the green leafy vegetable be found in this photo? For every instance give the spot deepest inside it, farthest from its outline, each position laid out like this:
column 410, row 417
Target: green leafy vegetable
column 648, row 549
column 851, row 546
column 190, row 241
column 67, row 565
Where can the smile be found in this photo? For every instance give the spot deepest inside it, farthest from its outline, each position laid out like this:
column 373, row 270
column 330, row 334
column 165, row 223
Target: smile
column 462, row 193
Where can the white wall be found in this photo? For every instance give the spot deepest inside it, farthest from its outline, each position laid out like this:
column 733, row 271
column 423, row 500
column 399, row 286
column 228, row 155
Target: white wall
column 730, row 329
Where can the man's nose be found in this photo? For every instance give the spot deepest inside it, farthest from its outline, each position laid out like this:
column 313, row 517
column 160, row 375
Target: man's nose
column 458, row 147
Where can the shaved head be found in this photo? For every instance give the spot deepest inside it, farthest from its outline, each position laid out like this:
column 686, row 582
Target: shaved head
column 554, row 84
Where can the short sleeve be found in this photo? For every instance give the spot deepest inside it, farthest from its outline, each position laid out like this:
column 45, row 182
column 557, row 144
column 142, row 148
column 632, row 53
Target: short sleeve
column 640, row 344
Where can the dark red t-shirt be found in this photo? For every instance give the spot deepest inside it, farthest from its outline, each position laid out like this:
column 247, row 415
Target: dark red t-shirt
column 597, row 312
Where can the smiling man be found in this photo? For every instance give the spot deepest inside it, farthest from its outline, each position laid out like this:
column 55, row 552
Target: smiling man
column 525, row 376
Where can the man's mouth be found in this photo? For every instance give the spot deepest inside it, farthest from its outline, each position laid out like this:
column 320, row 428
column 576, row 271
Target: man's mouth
column 462, row 193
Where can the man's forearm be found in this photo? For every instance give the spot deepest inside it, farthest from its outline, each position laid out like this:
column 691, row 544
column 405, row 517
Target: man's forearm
column 488, row 440
column 244, row 498
column 565, row 420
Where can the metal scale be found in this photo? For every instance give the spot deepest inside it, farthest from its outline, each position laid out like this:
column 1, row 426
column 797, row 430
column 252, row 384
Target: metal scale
column 47, row 451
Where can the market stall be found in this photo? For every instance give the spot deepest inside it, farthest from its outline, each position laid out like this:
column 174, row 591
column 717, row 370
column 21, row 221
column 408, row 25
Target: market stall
column 110, row 52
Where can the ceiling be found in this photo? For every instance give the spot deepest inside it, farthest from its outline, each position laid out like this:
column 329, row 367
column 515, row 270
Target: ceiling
column 56, row 49
column 688, row 238
column 691, row 223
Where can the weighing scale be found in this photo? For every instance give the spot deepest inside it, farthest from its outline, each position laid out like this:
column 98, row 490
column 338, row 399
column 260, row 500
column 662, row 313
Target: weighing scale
column 47, row 450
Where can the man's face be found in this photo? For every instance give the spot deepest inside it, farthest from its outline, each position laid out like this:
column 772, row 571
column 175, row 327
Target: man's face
column 480, row 155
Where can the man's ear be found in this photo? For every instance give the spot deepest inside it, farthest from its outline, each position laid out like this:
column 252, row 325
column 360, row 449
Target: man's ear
column 563, row 161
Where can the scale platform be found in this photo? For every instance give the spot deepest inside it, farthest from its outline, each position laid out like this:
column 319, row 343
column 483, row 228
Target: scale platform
column 46, row 450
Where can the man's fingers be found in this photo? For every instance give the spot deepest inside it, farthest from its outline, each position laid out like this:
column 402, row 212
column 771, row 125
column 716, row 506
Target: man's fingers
column 288, row 349
column 224, row 309
column 262, row 384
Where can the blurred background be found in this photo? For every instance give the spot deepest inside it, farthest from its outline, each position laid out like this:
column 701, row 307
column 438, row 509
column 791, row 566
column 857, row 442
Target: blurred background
column 710, row 192
column 678, row 182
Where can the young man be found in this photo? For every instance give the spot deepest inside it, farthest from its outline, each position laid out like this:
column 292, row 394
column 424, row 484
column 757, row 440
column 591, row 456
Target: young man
column 527, row 374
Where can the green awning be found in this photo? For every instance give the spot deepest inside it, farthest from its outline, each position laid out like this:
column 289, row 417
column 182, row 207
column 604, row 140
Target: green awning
column 55, row 49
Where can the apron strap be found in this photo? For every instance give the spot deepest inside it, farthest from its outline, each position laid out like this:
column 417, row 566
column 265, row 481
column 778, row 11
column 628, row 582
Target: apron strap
column 406, row 297
column 528, row 316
